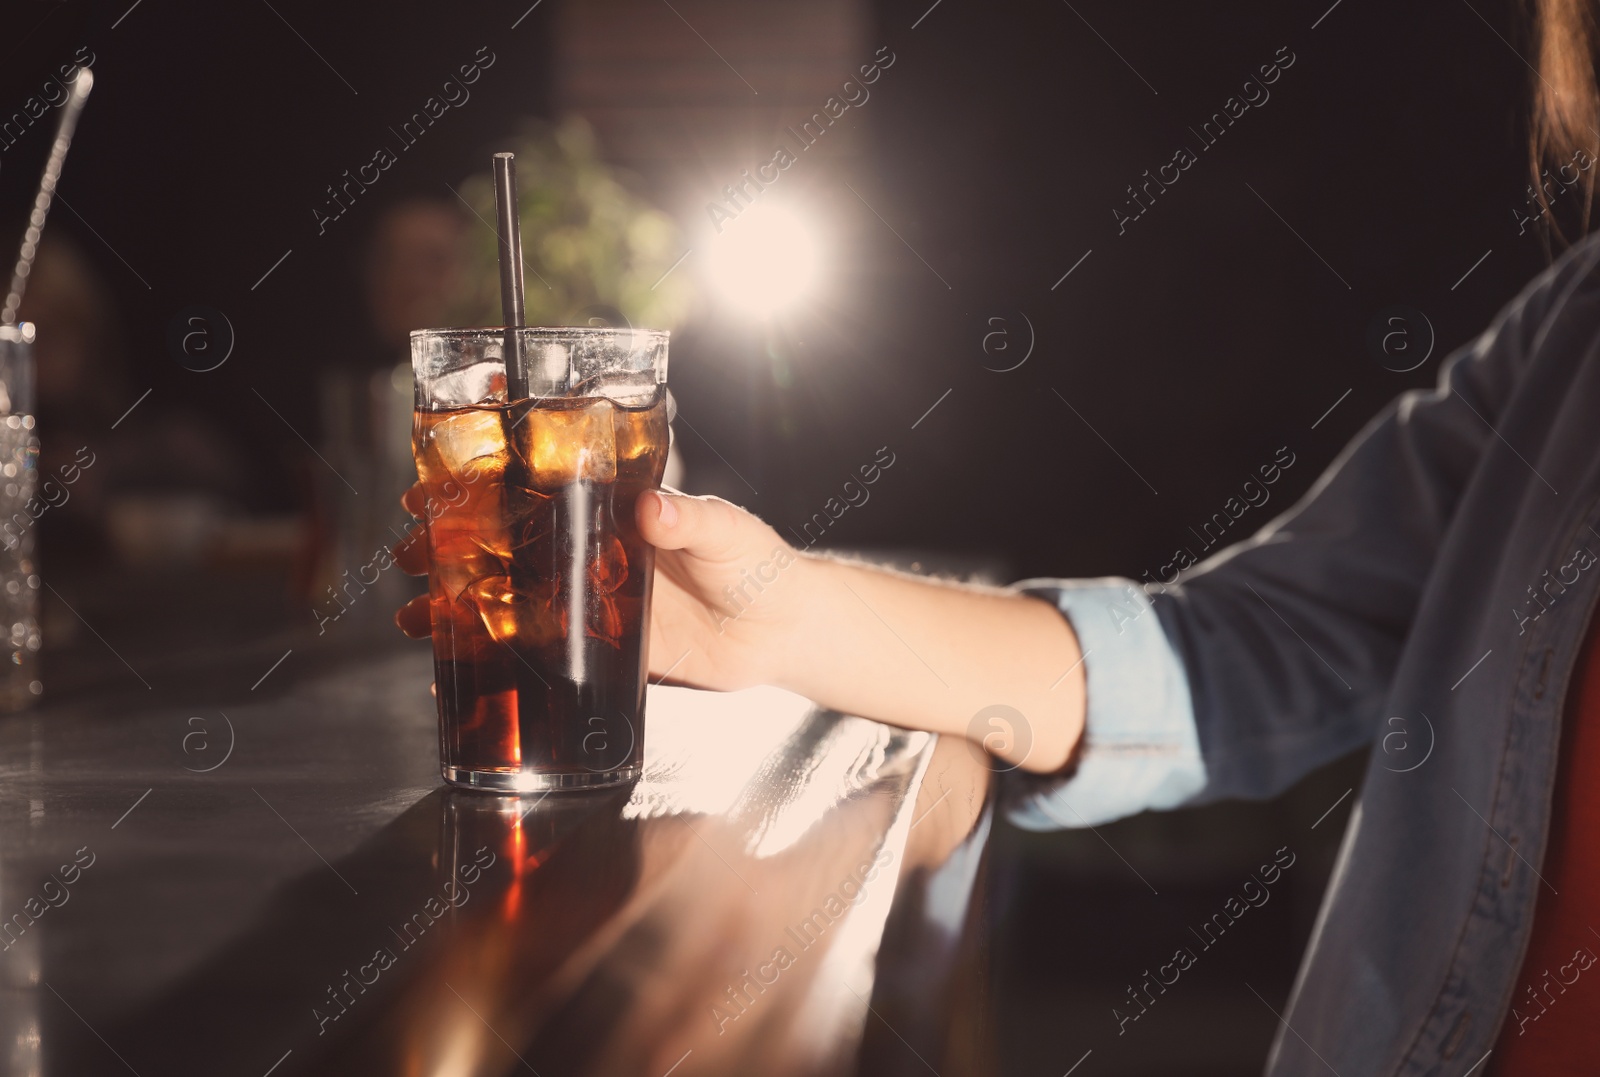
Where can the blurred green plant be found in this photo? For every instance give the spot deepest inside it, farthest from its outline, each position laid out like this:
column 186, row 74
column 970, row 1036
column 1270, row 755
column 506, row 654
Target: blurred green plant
column 589, row 244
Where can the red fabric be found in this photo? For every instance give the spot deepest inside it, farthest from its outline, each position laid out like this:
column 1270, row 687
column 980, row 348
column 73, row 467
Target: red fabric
column 1554, row 1025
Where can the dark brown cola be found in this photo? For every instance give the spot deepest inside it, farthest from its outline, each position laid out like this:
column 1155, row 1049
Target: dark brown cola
column 539, row 584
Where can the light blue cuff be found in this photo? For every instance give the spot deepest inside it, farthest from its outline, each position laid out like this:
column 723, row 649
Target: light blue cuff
column 1141, row 749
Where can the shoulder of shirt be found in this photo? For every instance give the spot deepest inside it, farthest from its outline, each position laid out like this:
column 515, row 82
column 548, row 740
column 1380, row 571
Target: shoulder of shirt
column 1574, row 271
column 1558, row 300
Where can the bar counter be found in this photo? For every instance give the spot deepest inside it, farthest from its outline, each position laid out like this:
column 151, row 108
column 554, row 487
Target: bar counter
column 245, row 863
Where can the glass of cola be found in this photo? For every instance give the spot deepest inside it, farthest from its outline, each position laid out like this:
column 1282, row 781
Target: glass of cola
column 539, row 582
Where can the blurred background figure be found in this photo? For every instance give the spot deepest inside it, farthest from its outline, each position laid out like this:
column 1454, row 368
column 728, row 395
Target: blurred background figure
column 80, row 385
column 147, row 495
column 413, row 273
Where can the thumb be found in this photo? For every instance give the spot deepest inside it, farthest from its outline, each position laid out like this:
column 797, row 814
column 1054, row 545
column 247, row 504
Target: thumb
column 706, row 527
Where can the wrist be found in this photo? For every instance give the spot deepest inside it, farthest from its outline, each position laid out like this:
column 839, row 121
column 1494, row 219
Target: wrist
column 792, row 645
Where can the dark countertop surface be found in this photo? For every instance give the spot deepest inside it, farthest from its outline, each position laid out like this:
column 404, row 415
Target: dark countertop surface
column 243, row 861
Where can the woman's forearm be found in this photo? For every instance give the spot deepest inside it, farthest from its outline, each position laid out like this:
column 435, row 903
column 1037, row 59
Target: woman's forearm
column 934, row 655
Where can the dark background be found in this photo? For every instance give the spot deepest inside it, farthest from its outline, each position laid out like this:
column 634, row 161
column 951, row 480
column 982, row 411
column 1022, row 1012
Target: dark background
column 1191, row 349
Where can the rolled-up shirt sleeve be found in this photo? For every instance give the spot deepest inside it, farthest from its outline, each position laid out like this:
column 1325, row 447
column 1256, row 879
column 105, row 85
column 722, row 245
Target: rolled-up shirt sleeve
column 1140, row 748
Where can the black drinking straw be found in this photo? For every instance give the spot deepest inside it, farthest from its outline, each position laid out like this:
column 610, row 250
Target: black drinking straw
column 505, row 212
column 47, row 190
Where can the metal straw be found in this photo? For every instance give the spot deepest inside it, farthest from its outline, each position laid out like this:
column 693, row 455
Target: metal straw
column 505, row 212
column 47, row 190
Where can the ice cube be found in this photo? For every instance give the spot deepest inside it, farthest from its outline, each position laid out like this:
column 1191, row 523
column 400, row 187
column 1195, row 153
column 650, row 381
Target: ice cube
column 610, row 568
column 480, row 383
column 470, row 443
column 605, row 621
column 496, row 542
column 456, row 572
column 496, row 602
column 640, row 431
column 467, row 531
column 631, row 389
column 564, row 445
column 525, row 615
column 532, row 516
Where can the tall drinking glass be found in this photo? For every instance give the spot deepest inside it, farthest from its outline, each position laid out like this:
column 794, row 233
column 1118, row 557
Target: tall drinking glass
column 539, row 582
column 19, row 474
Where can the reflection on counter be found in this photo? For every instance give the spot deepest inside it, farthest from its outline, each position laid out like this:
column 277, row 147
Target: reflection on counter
column 776, row 877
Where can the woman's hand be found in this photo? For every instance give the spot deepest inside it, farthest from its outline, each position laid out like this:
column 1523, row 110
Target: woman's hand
column 727, row 593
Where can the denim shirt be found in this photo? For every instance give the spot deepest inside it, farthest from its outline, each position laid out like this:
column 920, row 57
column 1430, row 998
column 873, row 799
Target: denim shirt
column 1437, row 581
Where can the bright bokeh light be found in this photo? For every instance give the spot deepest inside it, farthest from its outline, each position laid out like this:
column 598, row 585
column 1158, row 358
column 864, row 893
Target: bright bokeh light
column 764, row 261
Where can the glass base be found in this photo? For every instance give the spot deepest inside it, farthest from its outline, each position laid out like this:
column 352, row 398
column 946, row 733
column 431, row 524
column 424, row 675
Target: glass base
column 532, row 781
